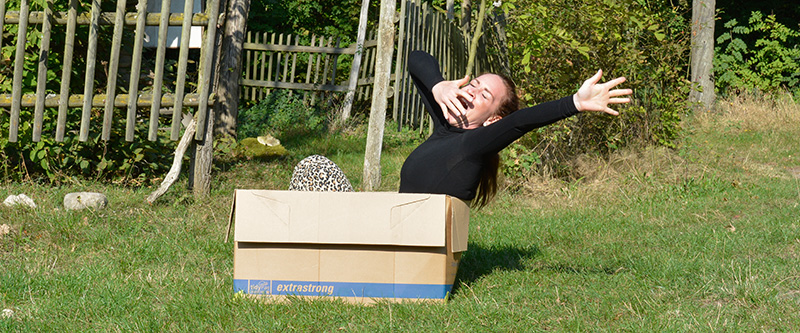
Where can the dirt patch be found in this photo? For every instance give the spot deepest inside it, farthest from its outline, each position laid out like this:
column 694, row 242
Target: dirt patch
column 5, row 229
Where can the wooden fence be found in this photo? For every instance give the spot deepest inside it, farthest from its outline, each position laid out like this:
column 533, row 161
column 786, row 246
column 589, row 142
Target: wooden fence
column 296, row 62
column 123, row 103
column 275, row 61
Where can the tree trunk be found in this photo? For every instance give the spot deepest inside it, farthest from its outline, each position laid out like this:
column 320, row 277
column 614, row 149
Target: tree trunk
column 702, row 93
column 377, row 115
column 231, row 68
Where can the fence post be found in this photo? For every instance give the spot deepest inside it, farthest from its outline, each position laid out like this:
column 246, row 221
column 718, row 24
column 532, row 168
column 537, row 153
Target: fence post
column 351, row 88
column 377, row 115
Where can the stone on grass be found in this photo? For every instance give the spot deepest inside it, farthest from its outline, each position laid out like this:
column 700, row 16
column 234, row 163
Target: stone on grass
column 7, row 313
column 82, row 200
column 5, row 229
column 13, row 200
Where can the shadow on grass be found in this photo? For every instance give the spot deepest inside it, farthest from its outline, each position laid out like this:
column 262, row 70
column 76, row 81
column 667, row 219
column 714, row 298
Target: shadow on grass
column 480, row 260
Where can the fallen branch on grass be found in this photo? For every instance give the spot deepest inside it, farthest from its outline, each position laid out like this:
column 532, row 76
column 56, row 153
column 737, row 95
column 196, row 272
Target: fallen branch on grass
column 175, row 169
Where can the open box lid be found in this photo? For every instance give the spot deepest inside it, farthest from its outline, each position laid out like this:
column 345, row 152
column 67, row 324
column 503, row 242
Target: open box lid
column 367, row 218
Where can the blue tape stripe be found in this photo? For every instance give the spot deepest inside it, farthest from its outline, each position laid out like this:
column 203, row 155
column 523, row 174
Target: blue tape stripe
column 341, row 289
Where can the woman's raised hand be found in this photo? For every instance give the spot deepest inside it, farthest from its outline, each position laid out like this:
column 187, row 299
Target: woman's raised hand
column 593, row 96
column 447, row 93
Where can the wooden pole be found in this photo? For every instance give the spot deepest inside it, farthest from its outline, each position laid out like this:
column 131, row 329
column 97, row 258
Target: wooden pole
column 702, row 94
column 351, row 87
column 377, row 115
column 231, row 68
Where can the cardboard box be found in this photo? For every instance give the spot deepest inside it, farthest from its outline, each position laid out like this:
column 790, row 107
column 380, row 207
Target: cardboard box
column 359, row 246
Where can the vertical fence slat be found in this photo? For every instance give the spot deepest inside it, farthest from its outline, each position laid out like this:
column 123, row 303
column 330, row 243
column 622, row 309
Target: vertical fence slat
column 206, row 64
column 316, row 70
column 111, row 85
column 335, row 60
column 294, row 59
column 136, row 69
column 286, row 60
column 19, row 61
column 66, row 72
column 158, row 81
column 88, row 84
column 399, row 73
column 41, row 79
column 267, row 58
column 183, row 59
column 2, row 19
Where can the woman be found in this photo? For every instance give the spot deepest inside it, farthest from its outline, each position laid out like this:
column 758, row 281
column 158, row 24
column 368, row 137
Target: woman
column 474, row 122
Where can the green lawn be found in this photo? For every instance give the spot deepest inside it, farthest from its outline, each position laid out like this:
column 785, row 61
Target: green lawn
column 705, row 237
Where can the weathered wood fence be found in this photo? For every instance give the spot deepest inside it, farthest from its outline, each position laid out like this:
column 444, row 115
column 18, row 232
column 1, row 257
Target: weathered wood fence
column 131, row 99
column 296, row 62
column 277, row 61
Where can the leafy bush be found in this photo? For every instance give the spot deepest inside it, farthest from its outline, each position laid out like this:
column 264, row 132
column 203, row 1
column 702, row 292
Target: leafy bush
column 282, row 114
column 557, row 44
column 769, row 64
column 116, row 159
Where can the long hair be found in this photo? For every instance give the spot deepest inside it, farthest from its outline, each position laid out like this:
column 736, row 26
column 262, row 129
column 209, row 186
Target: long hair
column 487, row 186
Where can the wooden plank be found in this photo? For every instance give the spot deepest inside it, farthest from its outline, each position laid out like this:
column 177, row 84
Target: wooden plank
column 278, row 60
column 183, row 59
column 301, row 48
column 399, row 63
column 286, row 61
column 136, row 70
column 316, row 70
column 41, row 79
column 88, row 84
column 66, row 71
column 158, row 81
column 247, row 65
column 111, row 85
column 295, row 85
column 206, row 64
column 377, row 115
column 120, row 100
column 327, row 63
column 335, row 62
column 2, row 19
column 356, row 65
column 19, row 61
column 106, row 18
column 269, row 65
column 310, row 65
column 294, row 61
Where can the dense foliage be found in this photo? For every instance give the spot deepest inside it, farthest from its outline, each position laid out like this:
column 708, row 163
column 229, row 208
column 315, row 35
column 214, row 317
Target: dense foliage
column 556, row 44
column 762, row 55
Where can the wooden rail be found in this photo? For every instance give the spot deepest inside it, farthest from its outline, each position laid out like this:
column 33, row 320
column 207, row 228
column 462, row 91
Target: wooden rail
column 159, row 93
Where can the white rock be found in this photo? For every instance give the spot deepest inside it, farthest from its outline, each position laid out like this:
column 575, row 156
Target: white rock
column 5, row 229
column 82, row 200
column 7, row 313
column 22, row 199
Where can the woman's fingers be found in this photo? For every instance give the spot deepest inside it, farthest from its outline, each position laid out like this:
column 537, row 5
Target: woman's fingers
column 618, row 100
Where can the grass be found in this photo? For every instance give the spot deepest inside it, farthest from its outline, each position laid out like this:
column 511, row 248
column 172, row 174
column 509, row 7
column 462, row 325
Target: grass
column 702, row 238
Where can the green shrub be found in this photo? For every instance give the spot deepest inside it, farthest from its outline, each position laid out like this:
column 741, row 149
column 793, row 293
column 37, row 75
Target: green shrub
column 282, row 114
column 557, row 44
column 770, row 64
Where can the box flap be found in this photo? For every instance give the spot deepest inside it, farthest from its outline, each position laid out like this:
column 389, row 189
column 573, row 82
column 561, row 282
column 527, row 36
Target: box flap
column 379, row 218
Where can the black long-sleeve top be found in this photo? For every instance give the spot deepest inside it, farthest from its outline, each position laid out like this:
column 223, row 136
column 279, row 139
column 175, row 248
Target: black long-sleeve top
column 451, row 159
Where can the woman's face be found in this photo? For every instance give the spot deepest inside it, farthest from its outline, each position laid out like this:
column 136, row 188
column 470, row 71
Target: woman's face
column 487, row 92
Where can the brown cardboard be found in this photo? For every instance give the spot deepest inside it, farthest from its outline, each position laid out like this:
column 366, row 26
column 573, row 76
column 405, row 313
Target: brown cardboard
column 359, row 246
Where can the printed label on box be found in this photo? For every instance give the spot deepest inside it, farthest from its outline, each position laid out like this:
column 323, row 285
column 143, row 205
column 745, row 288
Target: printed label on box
column 341, row 289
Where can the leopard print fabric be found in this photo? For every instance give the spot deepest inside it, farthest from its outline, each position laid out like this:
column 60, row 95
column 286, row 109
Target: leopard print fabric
column 318, row 173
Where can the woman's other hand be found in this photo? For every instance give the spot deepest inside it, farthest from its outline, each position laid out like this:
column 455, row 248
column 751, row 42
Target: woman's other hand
column 594, row 96
column 448, row 95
